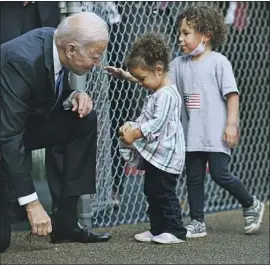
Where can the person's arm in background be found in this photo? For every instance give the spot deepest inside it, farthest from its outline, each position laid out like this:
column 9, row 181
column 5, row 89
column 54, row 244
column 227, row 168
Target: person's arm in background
column 49, row 13
column 15, row 95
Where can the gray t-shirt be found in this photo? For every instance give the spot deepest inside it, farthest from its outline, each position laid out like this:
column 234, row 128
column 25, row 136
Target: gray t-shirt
column 203, row 86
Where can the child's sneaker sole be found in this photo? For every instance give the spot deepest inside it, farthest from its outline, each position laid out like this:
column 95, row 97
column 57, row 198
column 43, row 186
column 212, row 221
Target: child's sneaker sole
column 198, row 235
column 167, row 238
column 143, row 237
column 159, row 241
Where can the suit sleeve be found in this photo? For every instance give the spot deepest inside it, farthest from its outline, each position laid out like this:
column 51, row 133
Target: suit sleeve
column 17, row 79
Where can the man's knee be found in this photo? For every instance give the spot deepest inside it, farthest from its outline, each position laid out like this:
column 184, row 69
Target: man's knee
column 92, row 117
column 88, row 123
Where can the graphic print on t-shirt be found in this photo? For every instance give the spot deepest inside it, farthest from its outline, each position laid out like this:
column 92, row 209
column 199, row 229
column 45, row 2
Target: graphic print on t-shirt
column 192, row 101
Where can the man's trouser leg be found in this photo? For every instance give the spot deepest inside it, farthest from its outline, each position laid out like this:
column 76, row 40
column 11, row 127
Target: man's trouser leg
column 5, row 222
column 54, row 157
column 78, row 138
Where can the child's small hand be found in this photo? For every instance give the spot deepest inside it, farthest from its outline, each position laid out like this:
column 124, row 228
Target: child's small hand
column 128, row 136
column 231, row 135
column 122, row 128
column 115, row 72
column 120, row 74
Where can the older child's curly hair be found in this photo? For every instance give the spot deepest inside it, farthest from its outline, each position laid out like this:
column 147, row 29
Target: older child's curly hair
column 205, row 19
column 147, row 51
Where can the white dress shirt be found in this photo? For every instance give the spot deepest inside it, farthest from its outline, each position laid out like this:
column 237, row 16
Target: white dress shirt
column 57, row 68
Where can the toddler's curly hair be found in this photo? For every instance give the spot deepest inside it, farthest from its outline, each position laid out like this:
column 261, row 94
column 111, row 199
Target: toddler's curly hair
column 147, row 51
column 206, row 19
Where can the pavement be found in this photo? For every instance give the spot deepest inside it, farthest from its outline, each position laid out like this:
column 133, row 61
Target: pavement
column 225, row 244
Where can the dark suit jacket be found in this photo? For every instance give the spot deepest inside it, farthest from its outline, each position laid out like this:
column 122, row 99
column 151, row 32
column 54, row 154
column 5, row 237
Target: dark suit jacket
column 27, row 88
column 16, row 19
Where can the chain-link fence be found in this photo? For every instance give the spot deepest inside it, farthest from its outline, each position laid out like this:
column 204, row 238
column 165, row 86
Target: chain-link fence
column 119, row 197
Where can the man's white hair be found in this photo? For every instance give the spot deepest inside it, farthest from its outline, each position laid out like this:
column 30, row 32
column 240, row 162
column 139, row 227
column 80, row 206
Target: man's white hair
column 82, row 28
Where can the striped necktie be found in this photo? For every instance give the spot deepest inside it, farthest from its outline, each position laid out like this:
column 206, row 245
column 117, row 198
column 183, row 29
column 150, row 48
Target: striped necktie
column 59, row 86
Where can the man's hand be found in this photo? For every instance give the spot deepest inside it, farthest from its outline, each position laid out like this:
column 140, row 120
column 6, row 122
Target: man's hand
column 82, row 103
column 39, row 219
column 26, row 3
column 231, row 136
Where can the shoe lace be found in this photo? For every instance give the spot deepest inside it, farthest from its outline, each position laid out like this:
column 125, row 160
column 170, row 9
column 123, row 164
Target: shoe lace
column 249, row 219
column 192, row 225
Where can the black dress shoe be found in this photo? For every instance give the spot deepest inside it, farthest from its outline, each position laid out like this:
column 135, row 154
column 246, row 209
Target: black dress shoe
column 80, row 235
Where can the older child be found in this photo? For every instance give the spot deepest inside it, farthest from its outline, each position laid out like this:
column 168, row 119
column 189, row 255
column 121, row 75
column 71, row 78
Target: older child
column 158, row 138
column 211, row 100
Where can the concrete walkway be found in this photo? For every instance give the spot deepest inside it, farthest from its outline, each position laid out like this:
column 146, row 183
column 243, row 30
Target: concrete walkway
column 225, row 244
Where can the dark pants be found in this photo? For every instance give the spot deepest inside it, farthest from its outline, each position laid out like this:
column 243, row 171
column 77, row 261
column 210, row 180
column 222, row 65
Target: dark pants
column 5, row 230
column 79, row 138
column 54, row 158
column 164, row 207
column 219, row 171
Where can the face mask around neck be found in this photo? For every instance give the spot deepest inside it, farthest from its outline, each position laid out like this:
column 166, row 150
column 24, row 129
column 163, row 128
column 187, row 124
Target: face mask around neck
column 199, row 50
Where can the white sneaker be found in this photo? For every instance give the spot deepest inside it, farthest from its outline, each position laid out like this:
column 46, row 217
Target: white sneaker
column 196, row 229
column 144, row 237
column 167, row 238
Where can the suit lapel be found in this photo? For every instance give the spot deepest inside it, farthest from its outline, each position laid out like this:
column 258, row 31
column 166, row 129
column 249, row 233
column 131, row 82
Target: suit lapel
column 48, row 53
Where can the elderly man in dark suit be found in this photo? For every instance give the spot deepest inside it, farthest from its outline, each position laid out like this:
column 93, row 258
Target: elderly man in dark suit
column 16, row 19
column 39, row 110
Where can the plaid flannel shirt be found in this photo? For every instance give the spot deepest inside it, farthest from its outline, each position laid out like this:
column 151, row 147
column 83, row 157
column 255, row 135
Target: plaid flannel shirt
column 163, row 144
